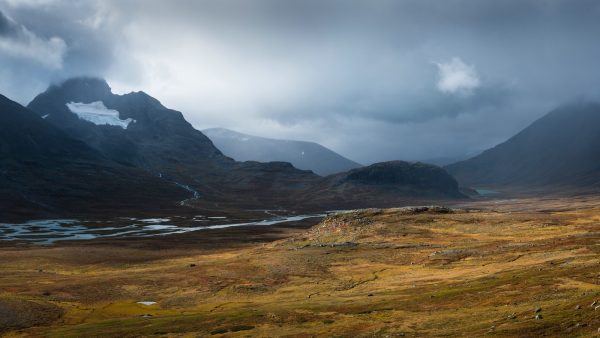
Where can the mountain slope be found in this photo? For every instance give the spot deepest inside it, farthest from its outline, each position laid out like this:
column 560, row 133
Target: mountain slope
column 301, row 154
column 561, row 148
column 45, row 172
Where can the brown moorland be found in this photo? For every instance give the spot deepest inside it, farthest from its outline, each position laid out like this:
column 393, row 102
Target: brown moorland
column 522, row 268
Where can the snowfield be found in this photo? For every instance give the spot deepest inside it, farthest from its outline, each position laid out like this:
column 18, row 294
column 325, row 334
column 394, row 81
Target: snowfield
column 98, row 114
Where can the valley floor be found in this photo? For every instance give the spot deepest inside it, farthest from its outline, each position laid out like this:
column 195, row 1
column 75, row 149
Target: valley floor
column 489, row 268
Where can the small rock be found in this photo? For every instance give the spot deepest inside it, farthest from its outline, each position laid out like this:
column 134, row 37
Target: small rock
column 538, row 316
column 578, row 307
column 512, row 316
column 594, row 303
column 192, row 265
column 370, row 295
column 538, row 309
column 147, row 315
column 597, row 307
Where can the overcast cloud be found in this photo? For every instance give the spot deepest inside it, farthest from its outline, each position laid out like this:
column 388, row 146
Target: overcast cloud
column 373, row 80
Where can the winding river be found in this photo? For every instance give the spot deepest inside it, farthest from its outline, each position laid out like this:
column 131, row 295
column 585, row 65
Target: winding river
column 46, row 232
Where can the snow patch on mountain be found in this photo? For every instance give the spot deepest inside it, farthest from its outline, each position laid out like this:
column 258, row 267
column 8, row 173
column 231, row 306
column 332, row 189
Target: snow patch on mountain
column 98, row 114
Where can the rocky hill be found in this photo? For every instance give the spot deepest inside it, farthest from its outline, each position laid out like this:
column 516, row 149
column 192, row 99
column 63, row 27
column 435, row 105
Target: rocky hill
column 386, row 184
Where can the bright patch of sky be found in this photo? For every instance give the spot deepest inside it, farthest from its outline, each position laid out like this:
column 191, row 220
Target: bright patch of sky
column 456, row 76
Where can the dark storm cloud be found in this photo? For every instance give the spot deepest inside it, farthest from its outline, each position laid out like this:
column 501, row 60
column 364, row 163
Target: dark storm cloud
column 402, row 107
column 7, row 27
column 48, row 42
column 375, row 80
column 26, row 58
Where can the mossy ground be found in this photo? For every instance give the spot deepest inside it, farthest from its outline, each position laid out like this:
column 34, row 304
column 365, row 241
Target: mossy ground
column 374, row 273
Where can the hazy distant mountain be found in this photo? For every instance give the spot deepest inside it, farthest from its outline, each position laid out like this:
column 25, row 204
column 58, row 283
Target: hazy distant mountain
column 301, row 154
column 561, row 148
column 44, row 172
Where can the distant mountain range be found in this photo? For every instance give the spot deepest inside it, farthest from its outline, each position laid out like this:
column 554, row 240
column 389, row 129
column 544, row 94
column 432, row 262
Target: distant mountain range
column 560, row 149
column 79, row 148
column 301, row 154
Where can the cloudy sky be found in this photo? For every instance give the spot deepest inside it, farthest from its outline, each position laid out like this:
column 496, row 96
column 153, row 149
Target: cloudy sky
column 373, row 80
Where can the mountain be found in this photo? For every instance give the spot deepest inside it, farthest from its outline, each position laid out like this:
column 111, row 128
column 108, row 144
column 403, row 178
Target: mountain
column 136, row 131
column 416, row 178
column 301, row 154
column 561, row 148
column 385, row 184
column 133, row 129
column 45, row 172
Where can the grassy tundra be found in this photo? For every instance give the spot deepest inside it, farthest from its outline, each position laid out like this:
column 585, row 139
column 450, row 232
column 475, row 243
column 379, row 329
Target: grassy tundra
column 520, row 268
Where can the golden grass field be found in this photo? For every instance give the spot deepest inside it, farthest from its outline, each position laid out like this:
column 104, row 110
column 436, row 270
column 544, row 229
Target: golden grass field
column 483, row 270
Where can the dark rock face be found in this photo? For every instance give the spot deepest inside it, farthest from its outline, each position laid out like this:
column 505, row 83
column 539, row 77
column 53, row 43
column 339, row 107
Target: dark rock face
column 303, row 155
column 45, row 172
column 560, row 148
